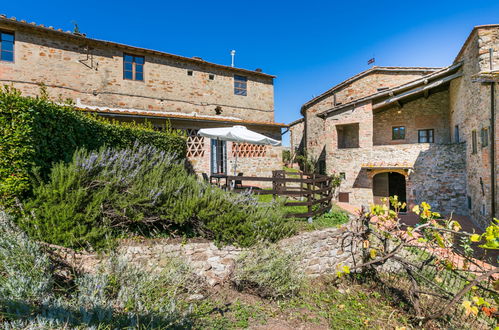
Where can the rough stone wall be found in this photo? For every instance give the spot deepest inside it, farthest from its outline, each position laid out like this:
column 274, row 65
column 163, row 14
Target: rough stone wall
column 438, row 177
column 321, row 252
column 430, row 113
column 61, row 64
column 296, row 137
column 470, row 109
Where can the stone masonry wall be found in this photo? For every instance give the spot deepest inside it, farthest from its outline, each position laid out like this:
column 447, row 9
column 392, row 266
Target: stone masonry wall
column 470, row 110
column 62, row 65
column 438, row 177
column 296, row 137
column 422, row 113
column 321, row 252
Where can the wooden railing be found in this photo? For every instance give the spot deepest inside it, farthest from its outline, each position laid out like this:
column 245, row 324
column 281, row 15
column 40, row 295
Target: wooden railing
column 315, row 191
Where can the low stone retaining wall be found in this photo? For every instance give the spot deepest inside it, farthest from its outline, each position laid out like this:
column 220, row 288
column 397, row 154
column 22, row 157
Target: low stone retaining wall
column 321, row 251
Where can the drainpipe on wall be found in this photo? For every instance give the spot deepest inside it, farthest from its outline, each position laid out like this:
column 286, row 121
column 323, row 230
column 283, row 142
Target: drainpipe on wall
column 493, row 137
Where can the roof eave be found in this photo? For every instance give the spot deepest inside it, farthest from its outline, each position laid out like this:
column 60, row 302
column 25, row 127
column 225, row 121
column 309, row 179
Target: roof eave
column 138, row 114
column 360, row 75
column 397, row 89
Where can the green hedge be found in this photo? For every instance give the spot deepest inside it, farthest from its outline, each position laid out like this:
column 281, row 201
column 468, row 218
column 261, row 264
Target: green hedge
column 36, row 132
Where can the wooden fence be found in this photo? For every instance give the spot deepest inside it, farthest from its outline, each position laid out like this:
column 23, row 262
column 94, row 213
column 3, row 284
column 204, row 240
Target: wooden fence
column 315, row 191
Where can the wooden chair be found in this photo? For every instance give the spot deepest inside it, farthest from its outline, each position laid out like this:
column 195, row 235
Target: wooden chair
column 238, row 184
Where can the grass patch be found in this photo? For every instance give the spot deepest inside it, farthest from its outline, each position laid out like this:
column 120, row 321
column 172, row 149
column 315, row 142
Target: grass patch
column 334, row 218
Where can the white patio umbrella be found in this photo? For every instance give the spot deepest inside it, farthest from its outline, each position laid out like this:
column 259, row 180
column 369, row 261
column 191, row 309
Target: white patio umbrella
column 237, row 134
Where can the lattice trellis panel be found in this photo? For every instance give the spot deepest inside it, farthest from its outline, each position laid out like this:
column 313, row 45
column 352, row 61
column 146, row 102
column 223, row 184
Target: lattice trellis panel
column 195, row 144
column 248, row 150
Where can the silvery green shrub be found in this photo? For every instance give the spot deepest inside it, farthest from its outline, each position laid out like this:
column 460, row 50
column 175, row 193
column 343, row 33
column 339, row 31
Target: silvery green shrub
column 25, row 270
column 269, row 272
column 116, row 295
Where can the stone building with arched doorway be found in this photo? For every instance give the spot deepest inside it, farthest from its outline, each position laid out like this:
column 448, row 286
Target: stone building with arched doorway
column 424, row 134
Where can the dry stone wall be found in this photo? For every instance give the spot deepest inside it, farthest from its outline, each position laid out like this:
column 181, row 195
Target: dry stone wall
column 322, row 252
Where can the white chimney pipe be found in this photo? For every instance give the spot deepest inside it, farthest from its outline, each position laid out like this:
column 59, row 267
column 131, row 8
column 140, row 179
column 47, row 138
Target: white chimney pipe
column 232, row 53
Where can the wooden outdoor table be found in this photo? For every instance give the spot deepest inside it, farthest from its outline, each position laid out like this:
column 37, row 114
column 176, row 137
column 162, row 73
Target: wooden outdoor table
column 218, row 177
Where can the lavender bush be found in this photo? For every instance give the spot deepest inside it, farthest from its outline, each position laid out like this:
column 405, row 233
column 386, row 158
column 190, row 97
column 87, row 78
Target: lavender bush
column 117, row 295
column 142, row 191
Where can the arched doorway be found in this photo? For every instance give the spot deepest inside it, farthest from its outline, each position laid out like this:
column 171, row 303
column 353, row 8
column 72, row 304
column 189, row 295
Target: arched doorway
column 388, row 184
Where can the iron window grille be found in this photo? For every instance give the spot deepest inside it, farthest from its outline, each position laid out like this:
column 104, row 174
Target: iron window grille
column 133, row 67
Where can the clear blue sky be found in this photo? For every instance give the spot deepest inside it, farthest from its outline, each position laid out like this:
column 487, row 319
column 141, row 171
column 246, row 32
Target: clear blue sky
column 309, row 45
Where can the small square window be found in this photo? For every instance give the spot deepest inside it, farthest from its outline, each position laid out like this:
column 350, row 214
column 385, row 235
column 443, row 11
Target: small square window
column 398, row 133
column 6, row 46
column 456, row 133
column 133, row 67
column 211, row 77
column 343, row 175
column 240, row 85
column 189, row 72
column 426, row 136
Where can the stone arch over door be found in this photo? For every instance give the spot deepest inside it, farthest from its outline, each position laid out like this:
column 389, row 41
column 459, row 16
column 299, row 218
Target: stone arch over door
column 386, row 184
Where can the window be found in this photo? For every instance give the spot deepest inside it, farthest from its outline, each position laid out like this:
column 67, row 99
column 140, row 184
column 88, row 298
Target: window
column 348, row 135
column 189, row 72
column 6, row 46
column 473, row 142
column 485, row 137
column 456, row 133
column 425, row 136
column 211, row 77
column 398, row 133
column 343, row 175
column 240, row 85
column 133, row 67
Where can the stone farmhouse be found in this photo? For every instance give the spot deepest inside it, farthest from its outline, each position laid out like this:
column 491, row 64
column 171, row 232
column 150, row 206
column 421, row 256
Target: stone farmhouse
column 136, row 84
column 423, row 134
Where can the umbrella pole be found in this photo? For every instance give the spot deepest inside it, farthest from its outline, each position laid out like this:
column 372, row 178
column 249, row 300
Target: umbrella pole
column 235, row 161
